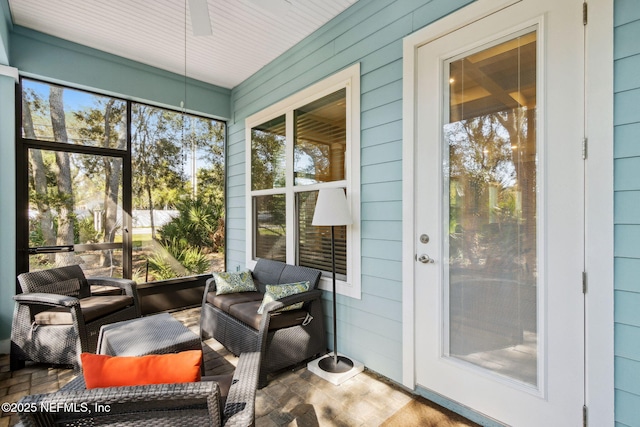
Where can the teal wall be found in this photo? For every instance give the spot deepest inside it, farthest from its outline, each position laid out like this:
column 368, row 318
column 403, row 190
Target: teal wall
column 370, row 32
column 39, row 55
column 627, row 210
column 7, row 185
column 8, row 212
column 5, row 26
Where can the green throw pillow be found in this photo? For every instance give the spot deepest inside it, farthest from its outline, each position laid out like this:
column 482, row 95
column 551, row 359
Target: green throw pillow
column 276, row 292
column 229, row 283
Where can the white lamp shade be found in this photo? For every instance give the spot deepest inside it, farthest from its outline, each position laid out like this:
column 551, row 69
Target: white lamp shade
column 331, row 208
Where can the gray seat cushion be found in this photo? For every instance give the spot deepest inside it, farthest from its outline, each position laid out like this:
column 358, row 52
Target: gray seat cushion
column 226, row 301
column 92, row 308
column 247, row 312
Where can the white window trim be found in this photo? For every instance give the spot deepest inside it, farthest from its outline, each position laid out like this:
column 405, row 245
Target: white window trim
column 349, row 79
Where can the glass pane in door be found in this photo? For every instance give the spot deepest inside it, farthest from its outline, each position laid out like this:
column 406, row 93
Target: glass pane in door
column 75, row 212
column 490, row 200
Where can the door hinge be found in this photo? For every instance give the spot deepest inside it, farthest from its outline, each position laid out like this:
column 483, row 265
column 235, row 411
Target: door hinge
column 584, row 282
column 584, row 13
column 585, row 148
column 585, row 421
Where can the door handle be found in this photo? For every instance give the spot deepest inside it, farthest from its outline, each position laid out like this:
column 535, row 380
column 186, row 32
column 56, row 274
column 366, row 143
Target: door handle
column 425, row 259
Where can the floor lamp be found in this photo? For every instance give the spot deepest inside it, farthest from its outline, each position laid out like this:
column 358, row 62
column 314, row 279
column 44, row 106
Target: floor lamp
column 332, row 210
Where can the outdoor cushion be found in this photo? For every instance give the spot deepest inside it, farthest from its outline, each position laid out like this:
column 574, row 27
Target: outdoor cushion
column 92, row 308
column 100, row 370
column 248, row 313
column 228, row 282
column 276, row 292
column 224, row 302
column 69, row 287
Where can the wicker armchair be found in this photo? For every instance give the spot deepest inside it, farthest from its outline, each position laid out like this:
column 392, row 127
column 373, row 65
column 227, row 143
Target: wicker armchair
column 184, row 404
column 56, row 317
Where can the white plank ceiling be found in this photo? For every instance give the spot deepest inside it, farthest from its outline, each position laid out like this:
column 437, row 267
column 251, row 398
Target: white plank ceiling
column 246, row 34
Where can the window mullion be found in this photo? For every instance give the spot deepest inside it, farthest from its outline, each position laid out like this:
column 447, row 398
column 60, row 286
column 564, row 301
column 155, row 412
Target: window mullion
column 289, row 193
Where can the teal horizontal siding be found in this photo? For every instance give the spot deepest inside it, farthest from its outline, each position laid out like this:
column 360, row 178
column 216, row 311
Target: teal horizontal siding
column 626, row 74
column 382, row 249
column 387, row 288
column 381, row 211
column 381, row 230
column 429, row 12
column 627, row 312
column 626, row 274
column 627, row 141
column 627, row 341
column 236, row 202
column 382, row 268
column 382, row 95
column 627, row 211
column 626, row 241
column 369, row 33
column 626, row 174
column 385, row 75
column 382, row 172
column 627, row 409
column 235, row 159
column 627, row 207
column 382, row 153
column 625, row 11
column 624, row 107
column 383, row 114
column 627, row 374
column 380, row 192
column 381, row 134
column 626, row 37
column 381, row 57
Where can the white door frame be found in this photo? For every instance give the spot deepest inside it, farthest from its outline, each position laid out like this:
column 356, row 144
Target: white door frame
column 599, row 376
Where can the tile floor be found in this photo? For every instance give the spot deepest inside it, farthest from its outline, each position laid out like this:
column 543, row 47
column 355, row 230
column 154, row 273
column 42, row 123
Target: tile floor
column 294, row 397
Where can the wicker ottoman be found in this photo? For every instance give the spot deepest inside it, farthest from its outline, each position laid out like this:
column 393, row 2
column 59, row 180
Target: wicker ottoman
column 156, row 334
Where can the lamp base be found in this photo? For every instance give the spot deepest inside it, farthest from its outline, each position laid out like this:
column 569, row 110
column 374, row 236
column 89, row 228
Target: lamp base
column 325, row 368
column 329, row 364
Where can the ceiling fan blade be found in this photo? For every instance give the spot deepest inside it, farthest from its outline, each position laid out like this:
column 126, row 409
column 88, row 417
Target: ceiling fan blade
column 200, row 22
column 276, row 7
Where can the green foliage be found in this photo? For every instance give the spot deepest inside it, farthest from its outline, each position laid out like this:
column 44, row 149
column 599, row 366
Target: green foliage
column 178, row 260
column 85, row 231
column 196, row 224
column 194, row 260
column 160, row 266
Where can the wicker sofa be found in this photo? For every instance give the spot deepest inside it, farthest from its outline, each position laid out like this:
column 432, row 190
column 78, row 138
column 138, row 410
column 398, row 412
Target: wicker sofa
column 285, row 337
column 215, row 401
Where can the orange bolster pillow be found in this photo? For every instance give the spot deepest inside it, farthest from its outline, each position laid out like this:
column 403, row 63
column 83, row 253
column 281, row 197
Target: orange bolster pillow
column 113, row 371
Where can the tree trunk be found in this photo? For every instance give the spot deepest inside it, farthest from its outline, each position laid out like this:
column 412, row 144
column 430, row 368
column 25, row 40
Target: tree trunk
column 39, row 178
column 524, row 160
column 153, row 225
column 113, row 173
column 63, row 178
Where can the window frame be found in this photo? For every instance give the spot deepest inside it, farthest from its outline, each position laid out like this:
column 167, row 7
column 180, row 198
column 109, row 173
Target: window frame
column 349, row 79
column 24, row 144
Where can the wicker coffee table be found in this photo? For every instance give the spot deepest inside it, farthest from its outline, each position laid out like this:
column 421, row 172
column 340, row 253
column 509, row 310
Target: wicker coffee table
column 156, row 334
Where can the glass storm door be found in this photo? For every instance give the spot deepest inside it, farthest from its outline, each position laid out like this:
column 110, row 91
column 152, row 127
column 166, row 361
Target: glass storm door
column 499, row 192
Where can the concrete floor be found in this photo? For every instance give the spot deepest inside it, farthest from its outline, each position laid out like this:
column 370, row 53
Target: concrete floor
column 293, row 397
